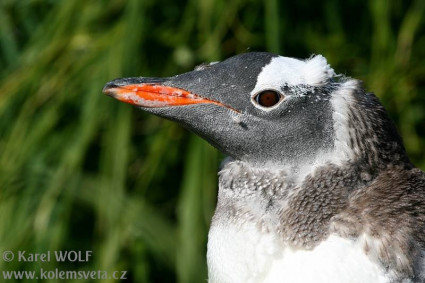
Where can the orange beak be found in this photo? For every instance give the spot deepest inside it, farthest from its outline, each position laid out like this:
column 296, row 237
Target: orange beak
column 153, row 95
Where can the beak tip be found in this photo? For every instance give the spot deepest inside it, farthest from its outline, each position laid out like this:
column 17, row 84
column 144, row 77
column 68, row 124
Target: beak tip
column 109, row 88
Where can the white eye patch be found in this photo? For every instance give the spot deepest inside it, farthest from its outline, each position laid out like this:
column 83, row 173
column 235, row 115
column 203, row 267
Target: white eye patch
column 289, row 71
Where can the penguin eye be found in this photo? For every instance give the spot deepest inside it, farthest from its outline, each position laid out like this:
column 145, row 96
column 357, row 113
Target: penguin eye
column 268, row 98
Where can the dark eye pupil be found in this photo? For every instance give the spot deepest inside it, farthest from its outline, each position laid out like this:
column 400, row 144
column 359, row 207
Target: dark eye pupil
column 267, row 98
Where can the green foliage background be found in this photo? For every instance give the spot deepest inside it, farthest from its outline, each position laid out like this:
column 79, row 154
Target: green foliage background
column 80, row 171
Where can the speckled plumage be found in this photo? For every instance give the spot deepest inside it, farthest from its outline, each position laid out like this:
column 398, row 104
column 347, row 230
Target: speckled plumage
column 334, row 200
column 317, row 188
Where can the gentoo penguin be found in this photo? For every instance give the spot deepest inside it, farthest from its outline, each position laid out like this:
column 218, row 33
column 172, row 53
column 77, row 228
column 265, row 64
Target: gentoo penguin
column 317, row 186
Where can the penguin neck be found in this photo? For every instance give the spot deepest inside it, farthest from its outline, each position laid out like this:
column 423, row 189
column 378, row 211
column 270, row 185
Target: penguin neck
column 284, row 201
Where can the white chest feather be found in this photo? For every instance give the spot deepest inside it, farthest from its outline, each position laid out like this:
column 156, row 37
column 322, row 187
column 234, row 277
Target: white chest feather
column 245, row 255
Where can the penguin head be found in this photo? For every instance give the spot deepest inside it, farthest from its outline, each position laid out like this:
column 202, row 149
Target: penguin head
column 256, row 107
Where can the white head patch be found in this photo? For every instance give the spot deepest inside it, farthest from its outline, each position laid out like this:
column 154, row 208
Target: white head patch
column 283, row 70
